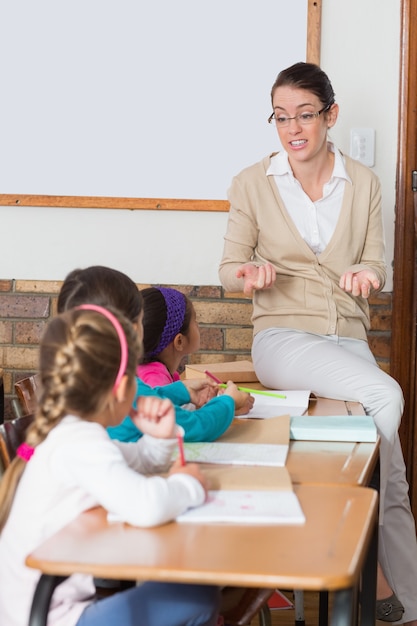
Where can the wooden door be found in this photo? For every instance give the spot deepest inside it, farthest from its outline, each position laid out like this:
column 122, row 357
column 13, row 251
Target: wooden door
column 404, row 316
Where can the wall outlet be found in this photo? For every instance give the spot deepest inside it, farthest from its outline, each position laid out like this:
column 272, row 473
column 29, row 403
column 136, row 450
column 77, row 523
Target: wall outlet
column 362, row 145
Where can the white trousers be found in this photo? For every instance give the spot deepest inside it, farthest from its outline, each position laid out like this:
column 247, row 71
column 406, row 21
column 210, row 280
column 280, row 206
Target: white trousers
column 345, row 369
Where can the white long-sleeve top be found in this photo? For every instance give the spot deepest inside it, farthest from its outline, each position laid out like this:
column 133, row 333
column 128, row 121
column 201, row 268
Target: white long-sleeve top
column 78, row 467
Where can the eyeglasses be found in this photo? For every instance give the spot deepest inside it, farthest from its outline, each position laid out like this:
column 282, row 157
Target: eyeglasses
column 302, row 118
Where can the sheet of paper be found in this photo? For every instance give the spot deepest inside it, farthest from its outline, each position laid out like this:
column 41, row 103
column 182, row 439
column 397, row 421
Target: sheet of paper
column 247, row 507
column 295, row 403
column 236, row 453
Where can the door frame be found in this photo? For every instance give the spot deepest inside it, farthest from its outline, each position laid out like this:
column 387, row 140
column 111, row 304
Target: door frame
column 403, row 336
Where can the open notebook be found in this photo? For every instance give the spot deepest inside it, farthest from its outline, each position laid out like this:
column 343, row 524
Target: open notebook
column 254, row 507
column 248, row 442
column 242, row 492
column 294, row 403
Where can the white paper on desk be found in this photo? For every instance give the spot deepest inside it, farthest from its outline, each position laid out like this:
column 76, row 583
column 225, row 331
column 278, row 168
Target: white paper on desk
column 247, row 507
column 295, row 403
column 236, row 453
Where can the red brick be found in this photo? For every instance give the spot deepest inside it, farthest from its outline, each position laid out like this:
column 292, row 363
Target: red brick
column 238, row 339
column 24, row 306
column 211, row 338
column 380, row 345
column 6, row 332
column 38, row 286
column 237, row 313
column 6, row 285
column 20, row 358
column 29, row 332
column 381, row 319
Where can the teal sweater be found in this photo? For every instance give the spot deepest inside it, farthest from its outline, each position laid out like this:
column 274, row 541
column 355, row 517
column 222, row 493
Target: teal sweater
column 204, row 424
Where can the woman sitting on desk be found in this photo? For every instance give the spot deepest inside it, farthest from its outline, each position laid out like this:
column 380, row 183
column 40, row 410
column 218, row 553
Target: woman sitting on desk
column 305, row 239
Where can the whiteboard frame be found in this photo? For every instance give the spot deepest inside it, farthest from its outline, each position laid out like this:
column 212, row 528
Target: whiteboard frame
column 314, row 10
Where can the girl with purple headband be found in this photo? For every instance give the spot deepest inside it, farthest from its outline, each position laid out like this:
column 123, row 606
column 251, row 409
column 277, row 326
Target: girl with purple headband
column 68, row 464
column 170, row 333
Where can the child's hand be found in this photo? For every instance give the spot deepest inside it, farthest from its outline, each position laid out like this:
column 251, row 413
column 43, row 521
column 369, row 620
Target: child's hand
column 154, row 416
column 192, row 469
column 243, row 401
column 201, row 390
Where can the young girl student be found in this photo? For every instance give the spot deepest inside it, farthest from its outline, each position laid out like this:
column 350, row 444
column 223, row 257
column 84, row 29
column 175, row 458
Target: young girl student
column 69, row 464
column 170, row 333
column 106, row 286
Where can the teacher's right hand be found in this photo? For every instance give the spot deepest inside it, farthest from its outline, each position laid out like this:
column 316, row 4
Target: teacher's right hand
column 256, row 277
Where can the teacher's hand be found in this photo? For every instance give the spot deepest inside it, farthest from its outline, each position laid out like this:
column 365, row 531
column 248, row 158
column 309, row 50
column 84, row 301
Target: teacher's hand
column 256, row 277
column 359, row 283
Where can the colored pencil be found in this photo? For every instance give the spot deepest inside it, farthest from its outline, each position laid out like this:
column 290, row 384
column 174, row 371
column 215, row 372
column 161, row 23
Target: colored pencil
column 259, row 392
column 180, row 440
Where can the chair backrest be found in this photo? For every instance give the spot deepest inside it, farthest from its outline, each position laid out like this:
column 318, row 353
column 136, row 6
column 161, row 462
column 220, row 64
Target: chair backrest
column 13, row 432
column 5, row 459
column 27, row 390
column 240, row 605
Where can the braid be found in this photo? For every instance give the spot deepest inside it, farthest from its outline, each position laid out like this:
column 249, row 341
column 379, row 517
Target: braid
column 79, row 361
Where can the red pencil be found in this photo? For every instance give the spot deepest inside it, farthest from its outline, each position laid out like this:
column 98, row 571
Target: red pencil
column 180, row 439
column 213, row 377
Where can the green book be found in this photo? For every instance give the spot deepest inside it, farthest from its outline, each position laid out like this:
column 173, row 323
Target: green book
column 359, row 428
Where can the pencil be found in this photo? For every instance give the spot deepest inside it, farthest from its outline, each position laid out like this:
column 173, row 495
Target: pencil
column 260, row 392
column 180, row 440
column 213, row 377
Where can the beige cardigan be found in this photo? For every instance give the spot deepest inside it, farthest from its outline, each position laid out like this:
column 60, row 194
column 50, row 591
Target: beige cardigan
column 306, row 295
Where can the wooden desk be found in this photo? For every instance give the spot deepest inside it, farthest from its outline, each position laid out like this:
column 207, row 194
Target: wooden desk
column 339, row 462
column 328, row 552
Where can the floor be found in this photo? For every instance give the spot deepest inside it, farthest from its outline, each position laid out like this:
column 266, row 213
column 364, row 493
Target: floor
column 286, row 617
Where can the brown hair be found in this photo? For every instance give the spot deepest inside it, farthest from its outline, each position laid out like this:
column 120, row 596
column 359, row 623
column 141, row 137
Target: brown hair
column 306, row 76
column 101, row 285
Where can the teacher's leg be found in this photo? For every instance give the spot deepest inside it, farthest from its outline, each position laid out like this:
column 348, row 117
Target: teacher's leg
column 345, row 369
column 395, row 550
column 332, row 367
column 156, row 604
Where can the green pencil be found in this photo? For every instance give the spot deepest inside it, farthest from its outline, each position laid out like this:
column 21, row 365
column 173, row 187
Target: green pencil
column 260, row 392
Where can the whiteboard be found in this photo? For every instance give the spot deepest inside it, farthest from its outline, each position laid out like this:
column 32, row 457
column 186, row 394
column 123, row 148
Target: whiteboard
column 140, row 98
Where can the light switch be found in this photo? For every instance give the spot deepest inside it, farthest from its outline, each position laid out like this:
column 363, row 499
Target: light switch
column 362, row 145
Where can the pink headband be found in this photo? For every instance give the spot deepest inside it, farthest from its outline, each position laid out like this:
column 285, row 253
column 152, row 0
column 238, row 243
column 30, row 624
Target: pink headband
column 120, row 333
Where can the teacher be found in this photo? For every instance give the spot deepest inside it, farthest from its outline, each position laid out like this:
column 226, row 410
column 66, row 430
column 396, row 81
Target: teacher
column 305, row 240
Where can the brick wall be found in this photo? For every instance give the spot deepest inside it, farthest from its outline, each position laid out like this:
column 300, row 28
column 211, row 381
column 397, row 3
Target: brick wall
column 226, row 332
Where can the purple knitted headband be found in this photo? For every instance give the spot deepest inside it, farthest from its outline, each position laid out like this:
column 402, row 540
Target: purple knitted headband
column 176, row 304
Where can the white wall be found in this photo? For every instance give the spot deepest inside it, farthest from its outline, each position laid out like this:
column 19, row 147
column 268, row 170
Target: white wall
column 360, row 52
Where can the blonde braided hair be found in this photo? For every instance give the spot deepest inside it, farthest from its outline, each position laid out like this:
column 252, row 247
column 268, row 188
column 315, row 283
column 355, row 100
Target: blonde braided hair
column 79, row 361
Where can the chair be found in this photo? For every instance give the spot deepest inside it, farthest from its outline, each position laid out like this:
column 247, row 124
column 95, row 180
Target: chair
column 27, row 390
column 12, row 435
column 4, row 455
column 241, row 605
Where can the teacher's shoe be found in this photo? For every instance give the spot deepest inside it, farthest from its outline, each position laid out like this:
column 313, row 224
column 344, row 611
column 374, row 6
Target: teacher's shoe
column 389, row 609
